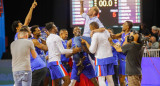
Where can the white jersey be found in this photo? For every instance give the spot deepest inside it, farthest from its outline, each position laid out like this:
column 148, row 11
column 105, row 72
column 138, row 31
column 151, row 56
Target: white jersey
column 100, row 45
column 55, row 48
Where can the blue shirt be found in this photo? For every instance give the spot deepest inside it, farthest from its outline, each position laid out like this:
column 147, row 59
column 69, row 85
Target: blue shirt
column 37, row 63
column 115, row 52
column 63, row 57
column 120, row 54
column 39, row 51
column 123, row 38
column 89, row 20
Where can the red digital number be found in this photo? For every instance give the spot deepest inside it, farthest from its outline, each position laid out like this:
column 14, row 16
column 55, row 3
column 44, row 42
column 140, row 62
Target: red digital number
column 114, row 14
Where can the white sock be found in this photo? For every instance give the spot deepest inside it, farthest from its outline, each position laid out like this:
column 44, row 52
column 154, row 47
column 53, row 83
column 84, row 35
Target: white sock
column 73, row 82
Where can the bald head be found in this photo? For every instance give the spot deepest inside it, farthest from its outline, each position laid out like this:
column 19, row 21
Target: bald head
column 152, row 39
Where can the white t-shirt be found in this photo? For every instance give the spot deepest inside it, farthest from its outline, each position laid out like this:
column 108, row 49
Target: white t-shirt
column 100, row 45
column 55, row 48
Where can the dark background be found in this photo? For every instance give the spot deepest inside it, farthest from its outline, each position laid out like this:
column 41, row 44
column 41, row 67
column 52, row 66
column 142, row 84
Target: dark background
column 58, row 11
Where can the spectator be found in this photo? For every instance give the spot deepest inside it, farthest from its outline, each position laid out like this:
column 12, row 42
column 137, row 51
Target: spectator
column 155, row 32
column 153, row 44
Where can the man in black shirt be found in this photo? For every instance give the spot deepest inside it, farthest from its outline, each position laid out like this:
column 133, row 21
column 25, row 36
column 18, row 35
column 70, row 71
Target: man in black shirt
column 134, row 53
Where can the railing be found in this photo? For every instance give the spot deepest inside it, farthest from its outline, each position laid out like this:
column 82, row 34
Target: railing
column 151, row 53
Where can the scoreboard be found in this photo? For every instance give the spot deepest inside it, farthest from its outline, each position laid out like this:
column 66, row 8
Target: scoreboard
column 113, row 13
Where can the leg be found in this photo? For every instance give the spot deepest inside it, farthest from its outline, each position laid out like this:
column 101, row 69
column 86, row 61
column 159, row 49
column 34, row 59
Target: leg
column 56, row 81
column 101, row 80
column 94, row 81
column 66, row 80
column 134, row 80
column 27, row 78
column 115, row 76
column 110, row 80
column 88, row 39
column 38, row 77
column 90, row 73
column 47, row 80
column 73, row 82
column 122, row 80
column 17, row 78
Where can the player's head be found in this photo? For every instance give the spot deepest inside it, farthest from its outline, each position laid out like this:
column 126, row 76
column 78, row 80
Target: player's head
column 77, row 31
column 24, row 32
column 127, row 26
column 51, row 27
column 16, row 26
column 63, row 34
column 36, row 31
column 94, row 11
column 93, row 26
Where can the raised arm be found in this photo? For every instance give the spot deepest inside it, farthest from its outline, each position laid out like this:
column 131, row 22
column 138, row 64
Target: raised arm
column 29, row 15
column 81, row 9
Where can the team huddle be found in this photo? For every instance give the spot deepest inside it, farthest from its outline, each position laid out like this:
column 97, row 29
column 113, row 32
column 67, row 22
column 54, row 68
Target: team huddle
column 95, row 53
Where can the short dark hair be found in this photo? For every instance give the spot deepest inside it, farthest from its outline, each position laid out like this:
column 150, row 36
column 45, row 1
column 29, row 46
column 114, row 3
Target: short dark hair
column 130, row 24
column 33, row 28
column 62, row 30
column 15, row 25
column 94, row 24
column 49, row 26
column 24, row 29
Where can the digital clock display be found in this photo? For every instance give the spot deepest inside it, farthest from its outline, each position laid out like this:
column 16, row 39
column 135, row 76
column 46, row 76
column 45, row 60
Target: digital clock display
column 112, row 12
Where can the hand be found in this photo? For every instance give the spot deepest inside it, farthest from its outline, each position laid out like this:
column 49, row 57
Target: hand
column 149, row 44
column 76, row 50
column 81, row 1
column 83, row 41
column 47, row 57
column 34, row 4
column 92, row 32
column 47, row 33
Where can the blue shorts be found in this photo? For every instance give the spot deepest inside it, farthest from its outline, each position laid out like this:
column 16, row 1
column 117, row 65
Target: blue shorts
column 57, row 71
column 122, row 67
column 104, row 70
column 88, row 71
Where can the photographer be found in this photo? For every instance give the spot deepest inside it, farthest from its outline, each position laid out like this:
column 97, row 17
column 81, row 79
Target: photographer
column 134, row 51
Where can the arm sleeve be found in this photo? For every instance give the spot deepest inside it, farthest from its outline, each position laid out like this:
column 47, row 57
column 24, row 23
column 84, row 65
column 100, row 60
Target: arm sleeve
column 99, row 23
column 155, row 46
column 107, row 33
column 31, row 45
column 94, row 43
column 125, row 48
column 84, row 15
column 61, row 48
